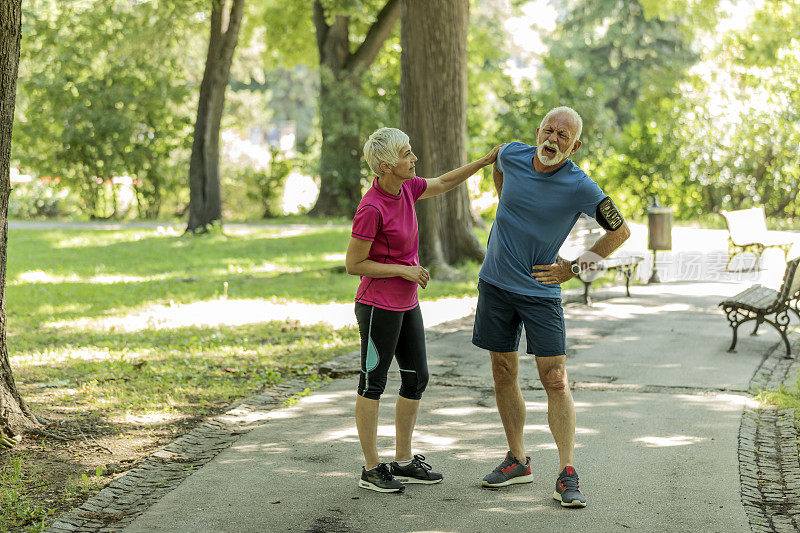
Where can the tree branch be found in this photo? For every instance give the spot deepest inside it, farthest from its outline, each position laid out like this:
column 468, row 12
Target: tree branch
column 320, row 25
column 377, row 34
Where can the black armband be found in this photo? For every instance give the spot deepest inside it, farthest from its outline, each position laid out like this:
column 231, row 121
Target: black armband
column 608, row 216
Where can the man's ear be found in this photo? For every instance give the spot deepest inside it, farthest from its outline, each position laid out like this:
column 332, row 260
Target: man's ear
column 575, row 147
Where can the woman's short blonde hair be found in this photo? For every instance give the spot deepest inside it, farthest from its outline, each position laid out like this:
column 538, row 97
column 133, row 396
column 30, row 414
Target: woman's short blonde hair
column 384, row 146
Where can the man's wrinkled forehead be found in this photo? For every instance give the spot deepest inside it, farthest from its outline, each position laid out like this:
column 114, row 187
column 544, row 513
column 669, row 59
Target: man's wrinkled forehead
column 562, row 121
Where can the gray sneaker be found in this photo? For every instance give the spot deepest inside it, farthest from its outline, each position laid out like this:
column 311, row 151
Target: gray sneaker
column 379, row 479
column 509, row 472
column 417, row 472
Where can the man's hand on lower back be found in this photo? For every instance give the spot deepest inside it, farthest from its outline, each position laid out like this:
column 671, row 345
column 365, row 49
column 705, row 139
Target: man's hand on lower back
column 558, row 272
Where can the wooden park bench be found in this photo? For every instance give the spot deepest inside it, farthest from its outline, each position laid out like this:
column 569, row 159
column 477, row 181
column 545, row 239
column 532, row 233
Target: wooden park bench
column 747, row 232
column 582, row 236
column 763, row 304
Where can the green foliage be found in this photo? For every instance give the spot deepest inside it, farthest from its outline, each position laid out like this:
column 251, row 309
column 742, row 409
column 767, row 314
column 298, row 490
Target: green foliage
column 40, row 200
column 723, row 135
column 112, row 107
column 623, row 58
column 266, row 186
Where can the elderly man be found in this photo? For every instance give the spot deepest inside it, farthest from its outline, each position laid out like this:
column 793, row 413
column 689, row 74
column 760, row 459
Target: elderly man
column 542, row 194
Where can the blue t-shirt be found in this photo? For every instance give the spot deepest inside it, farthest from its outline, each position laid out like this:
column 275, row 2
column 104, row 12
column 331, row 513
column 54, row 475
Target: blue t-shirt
column 536, row 213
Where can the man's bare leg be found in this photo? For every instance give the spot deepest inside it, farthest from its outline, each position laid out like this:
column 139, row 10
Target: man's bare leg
column 510, row 404
column 405, row 418
column 367, row 426
column 560, row 407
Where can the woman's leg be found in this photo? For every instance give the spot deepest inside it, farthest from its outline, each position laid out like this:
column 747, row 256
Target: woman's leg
column 413, row 362
column 379, row 331
column 405, row 418
column 367, row 425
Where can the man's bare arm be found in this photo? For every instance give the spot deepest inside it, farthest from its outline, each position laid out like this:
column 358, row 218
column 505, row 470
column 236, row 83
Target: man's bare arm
column 497, row 176
column 561, row 270
column 608, row 243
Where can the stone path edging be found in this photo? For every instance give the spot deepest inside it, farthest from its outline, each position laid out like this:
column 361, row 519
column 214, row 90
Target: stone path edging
column 769, row 467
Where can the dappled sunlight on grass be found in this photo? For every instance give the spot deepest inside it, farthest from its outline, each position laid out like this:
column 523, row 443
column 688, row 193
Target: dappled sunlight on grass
column 54, row 276
column 147, row 419
column 187, row 368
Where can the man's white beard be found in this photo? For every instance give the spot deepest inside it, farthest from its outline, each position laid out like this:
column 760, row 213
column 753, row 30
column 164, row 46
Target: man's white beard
column 549, row 161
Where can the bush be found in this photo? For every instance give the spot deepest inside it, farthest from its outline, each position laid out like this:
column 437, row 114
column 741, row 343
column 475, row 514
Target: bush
column 266, row 186
column 40, row 200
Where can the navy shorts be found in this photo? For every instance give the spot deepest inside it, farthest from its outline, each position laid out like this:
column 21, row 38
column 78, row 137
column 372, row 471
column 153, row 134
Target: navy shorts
column 501, row 314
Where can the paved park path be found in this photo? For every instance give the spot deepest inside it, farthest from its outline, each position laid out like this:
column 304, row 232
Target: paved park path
column 669, row 438
column 660, row 408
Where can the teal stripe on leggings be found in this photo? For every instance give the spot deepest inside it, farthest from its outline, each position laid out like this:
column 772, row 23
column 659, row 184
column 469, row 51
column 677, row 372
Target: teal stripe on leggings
column 372, row 353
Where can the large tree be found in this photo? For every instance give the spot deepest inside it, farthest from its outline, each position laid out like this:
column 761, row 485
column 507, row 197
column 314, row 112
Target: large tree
column 15, row 416
column 433, row 111
column 205, row 196
column 341, row 72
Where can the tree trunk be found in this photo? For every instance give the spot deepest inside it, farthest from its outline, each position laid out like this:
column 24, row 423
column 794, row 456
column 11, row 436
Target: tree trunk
column 340, row 162
column 205, row 196
column 15, row 415
column 433, row 111
column 340, row 90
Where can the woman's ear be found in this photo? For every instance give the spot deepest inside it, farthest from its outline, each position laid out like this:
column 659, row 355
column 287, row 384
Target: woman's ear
column 385, row 168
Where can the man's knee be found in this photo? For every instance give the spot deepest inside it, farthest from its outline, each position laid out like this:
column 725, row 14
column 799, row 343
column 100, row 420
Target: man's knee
column 554, row 379
column 505, row 368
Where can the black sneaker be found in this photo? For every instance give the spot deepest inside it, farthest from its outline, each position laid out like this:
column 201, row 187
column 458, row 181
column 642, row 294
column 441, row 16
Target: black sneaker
column 509, row 472
column 379, row 479
column 568, row 490
column 418, row 471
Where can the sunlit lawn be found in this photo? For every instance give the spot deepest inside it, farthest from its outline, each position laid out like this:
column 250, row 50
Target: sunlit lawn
column 67, row 275
column 59, row 279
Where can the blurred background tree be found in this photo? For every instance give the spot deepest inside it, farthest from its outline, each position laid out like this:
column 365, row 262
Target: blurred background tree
column 694, row 103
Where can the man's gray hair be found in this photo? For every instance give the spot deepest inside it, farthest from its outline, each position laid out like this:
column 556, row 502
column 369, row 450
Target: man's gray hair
column 384, row 146
column 569, row 111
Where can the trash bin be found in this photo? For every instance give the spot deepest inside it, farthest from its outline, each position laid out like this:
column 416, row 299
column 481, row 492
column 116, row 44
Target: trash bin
column 659, row 234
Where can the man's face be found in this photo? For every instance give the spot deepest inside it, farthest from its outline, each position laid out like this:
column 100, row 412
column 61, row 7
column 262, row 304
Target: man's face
column 405, row 167
column 556, row 139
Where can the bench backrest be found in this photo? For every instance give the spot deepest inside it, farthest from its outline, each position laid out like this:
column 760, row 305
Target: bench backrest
column 582, row 236
column 746, row 226
column 790, row 289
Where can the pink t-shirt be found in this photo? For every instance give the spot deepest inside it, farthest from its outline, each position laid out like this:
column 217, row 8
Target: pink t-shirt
column 390, row 223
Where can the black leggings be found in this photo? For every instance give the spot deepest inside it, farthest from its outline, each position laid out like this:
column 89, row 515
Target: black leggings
column 385, row 334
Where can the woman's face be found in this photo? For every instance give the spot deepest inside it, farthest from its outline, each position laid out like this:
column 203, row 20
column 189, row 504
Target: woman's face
column 405, row 167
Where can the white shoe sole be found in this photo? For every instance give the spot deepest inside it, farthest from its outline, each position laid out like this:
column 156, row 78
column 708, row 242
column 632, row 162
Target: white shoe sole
column 574, row 503
column 514, row 480
column 413, row 481
column 370, row 486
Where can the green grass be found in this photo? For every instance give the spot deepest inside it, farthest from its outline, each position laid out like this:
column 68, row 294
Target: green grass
column 60, row 283
column 17, row 511
column 784, row 397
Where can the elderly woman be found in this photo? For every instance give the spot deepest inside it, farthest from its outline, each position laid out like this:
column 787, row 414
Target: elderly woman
column 383, row 251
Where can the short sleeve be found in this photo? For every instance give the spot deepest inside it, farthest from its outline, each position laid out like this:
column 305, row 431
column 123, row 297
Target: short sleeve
column 366, row 223
column 500, row 155
column 589, row 194
column 417, row 186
